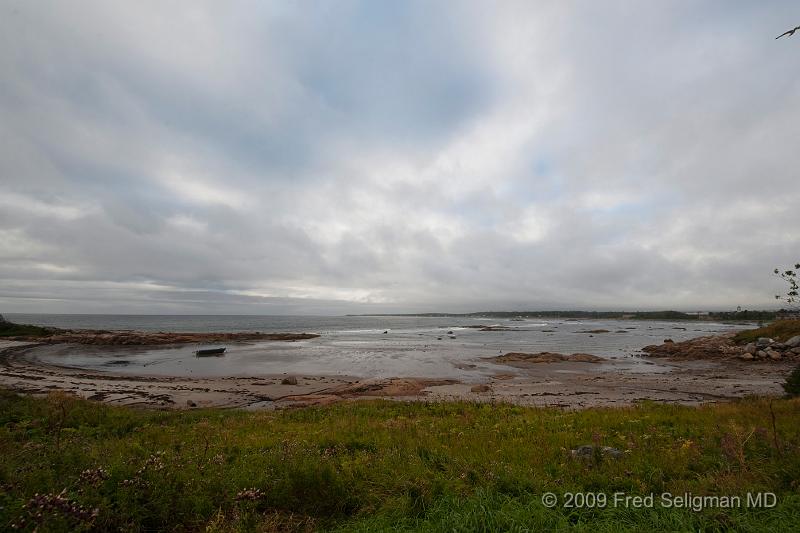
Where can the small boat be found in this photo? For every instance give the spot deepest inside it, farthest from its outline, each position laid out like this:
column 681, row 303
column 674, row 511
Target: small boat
column 209, row 351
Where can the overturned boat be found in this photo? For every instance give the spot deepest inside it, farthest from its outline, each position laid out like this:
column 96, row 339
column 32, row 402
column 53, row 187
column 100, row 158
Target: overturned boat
column 209, row 352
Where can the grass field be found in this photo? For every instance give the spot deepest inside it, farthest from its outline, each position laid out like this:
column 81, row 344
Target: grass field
column 70, row 464
column 780, row 330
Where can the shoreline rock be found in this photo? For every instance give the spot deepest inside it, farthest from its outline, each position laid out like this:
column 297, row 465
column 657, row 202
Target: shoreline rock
column 545, row 357
column 724, row 347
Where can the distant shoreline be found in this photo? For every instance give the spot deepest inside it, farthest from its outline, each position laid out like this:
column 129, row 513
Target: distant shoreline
column 744, row 316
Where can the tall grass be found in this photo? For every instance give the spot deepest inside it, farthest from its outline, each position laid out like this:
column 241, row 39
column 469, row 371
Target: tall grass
column 387, row 466
column 780, row 330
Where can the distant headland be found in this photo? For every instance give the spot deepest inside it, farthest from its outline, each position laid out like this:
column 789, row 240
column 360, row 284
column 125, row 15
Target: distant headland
column 744, row 315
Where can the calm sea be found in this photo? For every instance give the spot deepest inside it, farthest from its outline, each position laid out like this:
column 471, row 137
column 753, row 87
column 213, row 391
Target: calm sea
column 228, row 323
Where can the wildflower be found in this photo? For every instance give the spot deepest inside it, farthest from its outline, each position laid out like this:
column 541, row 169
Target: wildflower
column 42, row 505
column 252, row 495
column 93, row 477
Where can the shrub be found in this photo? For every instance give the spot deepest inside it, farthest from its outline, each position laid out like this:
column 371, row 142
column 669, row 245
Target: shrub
column 792, row 385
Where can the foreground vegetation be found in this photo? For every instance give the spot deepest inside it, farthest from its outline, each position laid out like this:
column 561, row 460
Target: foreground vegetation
column 70, row 464
column 780, row 330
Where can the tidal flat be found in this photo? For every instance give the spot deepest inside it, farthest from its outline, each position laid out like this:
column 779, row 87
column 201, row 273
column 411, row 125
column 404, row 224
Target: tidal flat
column 587, row 363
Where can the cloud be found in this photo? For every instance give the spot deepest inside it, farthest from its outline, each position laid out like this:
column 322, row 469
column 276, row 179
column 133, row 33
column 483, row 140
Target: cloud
column 361, row 156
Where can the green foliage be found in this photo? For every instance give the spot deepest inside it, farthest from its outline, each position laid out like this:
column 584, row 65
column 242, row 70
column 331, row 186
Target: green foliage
column 790, row 277
column 792, row 385
column 9, row 329
column 780, row 330
column 386, row 466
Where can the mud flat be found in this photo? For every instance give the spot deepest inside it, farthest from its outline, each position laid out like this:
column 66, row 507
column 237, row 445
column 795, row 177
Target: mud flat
column 20, row 372
column 544, row 379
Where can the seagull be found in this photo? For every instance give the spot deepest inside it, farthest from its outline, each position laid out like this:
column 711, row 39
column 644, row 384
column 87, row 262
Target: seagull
column 789, row 33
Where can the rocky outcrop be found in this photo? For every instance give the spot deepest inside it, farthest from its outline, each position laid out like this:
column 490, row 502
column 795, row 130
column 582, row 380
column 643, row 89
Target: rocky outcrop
column 390, row 387
column 544, row 357
column 768, row 349
column 724, row 347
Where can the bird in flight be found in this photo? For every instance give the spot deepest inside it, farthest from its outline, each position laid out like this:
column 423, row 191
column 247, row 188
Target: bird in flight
column 789, row 33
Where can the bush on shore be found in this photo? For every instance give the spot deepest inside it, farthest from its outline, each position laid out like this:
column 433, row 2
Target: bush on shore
column 9, row 329
column 792, row 385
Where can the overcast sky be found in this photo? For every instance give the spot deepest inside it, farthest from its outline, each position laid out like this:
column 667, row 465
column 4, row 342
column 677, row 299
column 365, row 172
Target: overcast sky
column 380, row 156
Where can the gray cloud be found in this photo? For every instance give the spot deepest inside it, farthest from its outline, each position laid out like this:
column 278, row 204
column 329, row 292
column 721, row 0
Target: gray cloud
column 362, row 156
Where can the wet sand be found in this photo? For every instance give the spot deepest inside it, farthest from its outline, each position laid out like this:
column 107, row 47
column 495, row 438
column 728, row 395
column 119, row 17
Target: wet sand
column 567, row 383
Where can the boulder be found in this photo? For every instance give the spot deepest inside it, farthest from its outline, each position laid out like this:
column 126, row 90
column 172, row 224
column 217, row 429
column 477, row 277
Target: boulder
column 794, row 342
column 747, row 356
column 761, row 354
column 587, row 451
column 750, row 348
column 763, row 342
column 796, row 350
column 481, row 388
column 774, row 354
column 291, row 380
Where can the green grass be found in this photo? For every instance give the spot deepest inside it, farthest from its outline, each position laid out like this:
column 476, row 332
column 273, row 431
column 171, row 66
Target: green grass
column 389, row 466
column 781, row 330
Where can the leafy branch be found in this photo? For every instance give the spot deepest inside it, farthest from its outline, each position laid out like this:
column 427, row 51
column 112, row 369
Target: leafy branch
column 789, row 276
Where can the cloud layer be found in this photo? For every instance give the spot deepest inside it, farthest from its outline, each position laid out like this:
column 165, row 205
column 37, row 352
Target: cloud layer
column 257, row 157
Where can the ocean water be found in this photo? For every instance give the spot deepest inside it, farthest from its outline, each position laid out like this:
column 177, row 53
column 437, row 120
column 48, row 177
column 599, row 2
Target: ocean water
column 363, row 346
